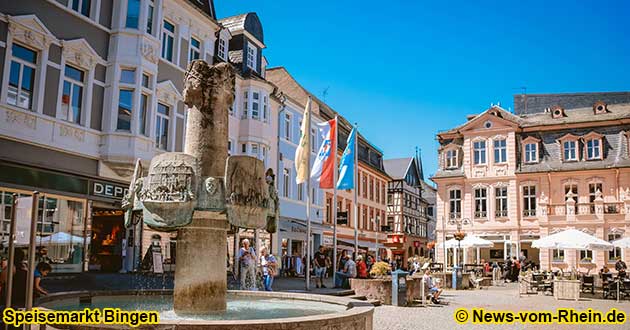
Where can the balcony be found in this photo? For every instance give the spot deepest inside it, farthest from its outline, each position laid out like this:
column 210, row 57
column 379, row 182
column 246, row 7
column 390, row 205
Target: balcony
column 529, row 213
column 585, row 209
column 481, row 214
column 501, row 213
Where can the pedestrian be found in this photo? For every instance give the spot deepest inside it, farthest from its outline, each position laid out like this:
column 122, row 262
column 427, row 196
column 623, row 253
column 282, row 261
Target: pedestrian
column 349, row 271
column 269, row 266
column 298, row 265
column 320, row 262
column 516, row 269
column 41, row 271
column 620, row 267
column 342, row 259
column 247, row 259
column 434, row 291
column 369, row 262
column 361, row 267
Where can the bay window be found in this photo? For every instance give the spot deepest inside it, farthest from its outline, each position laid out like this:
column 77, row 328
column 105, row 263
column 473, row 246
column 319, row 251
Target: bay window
column 22, row 77
column 168, row 41
column 144, row 111
column 255, row 105
column 479, row 151
column 451, row 158
column 195, row 49
column 245, row 103
column 72, row 97
column 125, row 109
column 81, row 6
column 133, row 14
column 265, row 105
column 150, row 13
column 161, row 126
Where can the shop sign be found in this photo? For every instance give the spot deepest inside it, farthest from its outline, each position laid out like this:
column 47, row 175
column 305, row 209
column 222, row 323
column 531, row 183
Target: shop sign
column 108, row 190
column 327, row 240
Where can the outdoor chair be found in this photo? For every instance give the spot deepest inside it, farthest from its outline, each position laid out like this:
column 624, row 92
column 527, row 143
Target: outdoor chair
column 526, row 286
column 610, row 290
column 588, row 284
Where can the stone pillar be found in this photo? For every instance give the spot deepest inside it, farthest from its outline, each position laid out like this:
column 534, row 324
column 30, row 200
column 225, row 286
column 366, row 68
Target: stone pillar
column 200, row 272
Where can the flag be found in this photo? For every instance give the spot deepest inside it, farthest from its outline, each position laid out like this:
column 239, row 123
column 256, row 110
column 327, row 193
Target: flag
column 346, row 165
column 324, row 166
column 303, row 149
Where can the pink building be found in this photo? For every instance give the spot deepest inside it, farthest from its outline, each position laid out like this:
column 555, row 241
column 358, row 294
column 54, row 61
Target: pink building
column 559, row 161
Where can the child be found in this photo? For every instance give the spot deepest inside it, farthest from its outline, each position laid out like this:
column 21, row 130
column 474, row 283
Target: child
column 41, row 270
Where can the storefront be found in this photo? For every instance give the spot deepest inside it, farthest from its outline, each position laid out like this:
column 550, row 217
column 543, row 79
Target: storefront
column 78, row 216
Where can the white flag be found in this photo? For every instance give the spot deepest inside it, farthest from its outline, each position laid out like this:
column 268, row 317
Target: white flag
column 303, row 149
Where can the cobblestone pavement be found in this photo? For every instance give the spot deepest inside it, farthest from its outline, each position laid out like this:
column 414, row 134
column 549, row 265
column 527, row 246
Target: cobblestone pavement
column 494, row 298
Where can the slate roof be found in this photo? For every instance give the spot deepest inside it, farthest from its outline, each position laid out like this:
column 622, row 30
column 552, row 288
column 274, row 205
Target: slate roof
column 207, row 6
column 502, row 112
column 397, row 168
column 579, row 115
column 235, row 22
column 248, row 22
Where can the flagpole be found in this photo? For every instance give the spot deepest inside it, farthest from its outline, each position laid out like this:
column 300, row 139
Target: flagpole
column 308, row 197
column 334, row 201
column 356, row 188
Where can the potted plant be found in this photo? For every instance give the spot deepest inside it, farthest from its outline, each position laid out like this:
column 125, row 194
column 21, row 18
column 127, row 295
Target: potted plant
column 380, row 270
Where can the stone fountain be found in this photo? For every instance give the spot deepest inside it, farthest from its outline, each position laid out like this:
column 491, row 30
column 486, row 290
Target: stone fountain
column 201, row 193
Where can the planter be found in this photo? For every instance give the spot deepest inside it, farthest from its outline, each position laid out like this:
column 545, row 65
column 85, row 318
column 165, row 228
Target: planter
column 566, row 289
column 381, row 288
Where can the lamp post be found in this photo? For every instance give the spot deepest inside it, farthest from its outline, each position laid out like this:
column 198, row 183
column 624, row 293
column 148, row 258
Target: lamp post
column 459, row 234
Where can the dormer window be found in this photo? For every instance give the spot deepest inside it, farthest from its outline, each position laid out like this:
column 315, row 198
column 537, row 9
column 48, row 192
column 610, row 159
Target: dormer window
column 600, row 107
column 530, row 149
column 479, row 152
column 251, row 56
column 570, row 148
column 557, row 112
column 451, row 158
column 594, row 146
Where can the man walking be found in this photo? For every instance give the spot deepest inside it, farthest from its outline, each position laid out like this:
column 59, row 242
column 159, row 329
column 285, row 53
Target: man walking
column 321, row 262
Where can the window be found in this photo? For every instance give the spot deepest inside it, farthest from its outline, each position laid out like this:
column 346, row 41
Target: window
column 251, row 56
column 286, row 182
column 451, row 158
column 455, row 203
column 501, row 205
column 264, row 156
column 531, row 152
column 144, row 104
column 133, row 14
column 529, row 201
column 22, row 77
column 616, row 252
column 371, row 189
column 481, row 203
column 161, row 127
column 72, row 97
column 255, row 105
column 593, row 149
column 287, row 127
column 364, row 184
column 570, row 152
column 244, row 148
column 229, row 147
column 125, row 106
column 479, row 150
column 313, row 140
column 571, row 187
column 222, row 51
column 586, row 256
column 146, row 81
column 168, row 38
column 558, row 255
column 128, row 76
column 195, row 49
column 265, row 105
column 150, row 12
column 255, row 150
column 500, row 151
column 378, row 191
column 245, row 103
column 300, row 192
column 81, row 6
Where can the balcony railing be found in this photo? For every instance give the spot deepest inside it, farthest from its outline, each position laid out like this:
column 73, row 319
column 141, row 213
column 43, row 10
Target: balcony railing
column 585, row 209
column 501, row 213
column 529, row 213
column 456, row 215
column 481, row 214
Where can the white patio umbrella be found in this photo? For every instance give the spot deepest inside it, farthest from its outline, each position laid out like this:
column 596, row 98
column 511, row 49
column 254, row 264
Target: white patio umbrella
column 470, row 241
column 62, row 238
column 572, row 239
column 623, row 243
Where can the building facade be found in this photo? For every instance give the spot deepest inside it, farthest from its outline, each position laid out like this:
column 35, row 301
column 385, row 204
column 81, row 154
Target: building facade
column 560, row 161
column 88, row 87
column 406, row 210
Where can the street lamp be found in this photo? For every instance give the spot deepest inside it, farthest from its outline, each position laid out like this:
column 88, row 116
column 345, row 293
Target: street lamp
column 459, row 234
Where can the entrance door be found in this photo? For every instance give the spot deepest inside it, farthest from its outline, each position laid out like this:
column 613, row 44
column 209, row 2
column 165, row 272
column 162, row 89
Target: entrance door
column 106, row 241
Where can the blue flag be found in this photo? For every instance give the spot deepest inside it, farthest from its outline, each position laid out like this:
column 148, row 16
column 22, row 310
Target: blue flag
column 346, row 165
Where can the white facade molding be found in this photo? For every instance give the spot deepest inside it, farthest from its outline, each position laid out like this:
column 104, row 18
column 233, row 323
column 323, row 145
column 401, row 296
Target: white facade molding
column 31, row 31
column 168, row 93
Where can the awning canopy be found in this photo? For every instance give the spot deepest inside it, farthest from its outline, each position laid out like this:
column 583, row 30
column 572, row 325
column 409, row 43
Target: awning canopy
column 623, row 243
column 572, row 239
column 470, row 241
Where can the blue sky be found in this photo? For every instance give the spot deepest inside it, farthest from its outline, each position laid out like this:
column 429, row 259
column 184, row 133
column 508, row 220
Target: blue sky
column 406, row 69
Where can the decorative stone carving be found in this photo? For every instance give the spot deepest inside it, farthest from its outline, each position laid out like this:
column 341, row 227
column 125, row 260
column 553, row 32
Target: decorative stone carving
column 149, row 52
column 500, row 171
column 29, row 30
column 21, row 118
column 168, row 196
column 247, row 192
column 75, row 133
column 479, row 172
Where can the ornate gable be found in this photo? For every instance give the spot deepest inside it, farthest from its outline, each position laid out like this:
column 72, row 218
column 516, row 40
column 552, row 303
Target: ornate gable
column 79, row 51
column 31, row 31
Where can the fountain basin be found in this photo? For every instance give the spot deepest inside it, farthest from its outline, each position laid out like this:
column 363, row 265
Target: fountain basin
column 251, row 310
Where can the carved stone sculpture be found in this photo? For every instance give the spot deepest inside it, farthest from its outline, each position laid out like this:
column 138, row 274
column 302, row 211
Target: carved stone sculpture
column 201, row 191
